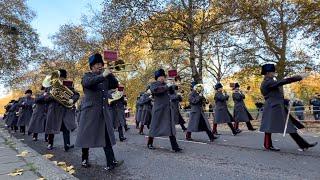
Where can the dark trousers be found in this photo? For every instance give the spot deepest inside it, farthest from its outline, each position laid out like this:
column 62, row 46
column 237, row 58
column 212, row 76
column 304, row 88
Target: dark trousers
column 141, row 129
column 35, row 135
column 215, row 128
column 183, row 127
column 23, row 129
column 249, row 125
column 302, row 143
column 108, row 151
column 65, row 134
column 173, row 142
column 120, row 130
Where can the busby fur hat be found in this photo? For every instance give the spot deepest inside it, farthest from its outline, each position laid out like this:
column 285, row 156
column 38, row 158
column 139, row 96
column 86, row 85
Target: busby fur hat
column 267, row 68
column 218, row 86
column 94, row 59
column 63, row 73
column 29, row 91
column 159, row 73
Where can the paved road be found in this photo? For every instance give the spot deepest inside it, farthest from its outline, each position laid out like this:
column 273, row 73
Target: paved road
column 239, row 157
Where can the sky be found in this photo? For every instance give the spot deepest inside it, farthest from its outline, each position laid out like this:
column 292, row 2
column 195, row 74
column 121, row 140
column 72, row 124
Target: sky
column 51, row 14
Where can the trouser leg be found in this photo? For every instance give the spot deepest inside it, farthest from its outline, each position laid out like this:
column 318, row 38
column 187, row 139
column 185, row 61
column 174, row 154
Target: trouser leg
column 188, row 135
column 215, row 128
column 174, row 144
column 150, row 140
column 66, row 135
column 232, row 128
column 302, row 143
column 210, row 135
column 267, row 140
column 51, row 139
column 120, row 130
column 183, row 127
column 236, row 125
column 108, row 151
column 85, row 154
column 249, row 125
column 35, row 135
column 141, row 129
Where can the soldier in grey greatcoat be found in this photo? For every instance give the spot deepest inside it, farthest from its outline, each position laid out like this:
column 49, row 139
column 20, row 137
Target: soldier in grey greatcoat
column 162, row 121
column 221, row 112
column 176, row 98
column 38, row 119
column 275, row 113
column 12, row 117
column 96, row 127
column 7, row 108
column 198, row 120
column 25, row 112
column 240, row 111
column 59, row 117
column 146, row 101
column 116, row 109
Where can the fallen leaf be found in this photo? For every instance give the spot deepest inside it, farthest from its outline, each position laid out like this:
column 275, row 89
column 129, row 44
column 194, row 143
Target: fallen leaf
column 48, row 156
column 62, row 163
column 72, row 171
column 69, row 168
column 41, row 178
column 16, row 172
column 23, row 154
column 55, row 162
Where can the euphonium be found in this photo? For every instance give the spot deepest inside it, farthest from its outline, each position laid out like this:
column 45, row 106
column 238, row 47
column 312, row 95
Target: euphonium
column 116, row 95
column 58, row 91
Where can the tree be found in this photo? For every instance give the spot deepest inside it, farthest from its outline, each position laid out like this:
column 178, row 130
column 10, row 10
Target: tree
column 18, row 40
column 268, row 30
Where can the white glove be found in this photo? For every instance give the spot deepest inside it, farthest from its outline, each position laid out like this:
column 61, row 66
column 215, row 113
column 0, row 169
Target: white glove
column 70, row 101
column 304, row 75
column 149, row 91
column 106, row 72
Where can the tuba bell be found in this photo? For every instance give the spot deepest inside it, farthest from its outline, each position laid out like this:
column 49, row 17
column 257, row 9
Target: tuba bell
column 58, row 91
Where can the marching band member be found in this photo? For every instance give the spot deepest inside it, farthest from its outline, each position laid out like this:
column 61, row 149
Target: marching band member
column 25, row 112
column 59, row 117
column 139, row 107
column 198, row 121
column 95, row 128
column 126, row 128
column 116, row 109
column 221, row 112
column 176, row 98
column 274, row 113
column 12, row 118
column 146, row 114
column 240, row 112
column 162, row 123
column 38, row 119
column 7, row 108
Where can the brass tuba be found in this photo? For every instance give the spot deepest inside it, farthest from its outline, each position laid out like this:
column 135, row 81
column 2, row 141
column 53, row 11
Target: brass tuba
column 115, row 94
column 58, row 91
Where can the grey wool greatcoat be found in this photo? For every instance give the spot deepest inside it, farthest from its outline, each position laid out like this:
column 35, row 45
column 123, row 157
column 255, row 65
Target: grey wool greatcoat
column 240, row 111
column 25, row 112
column 221, row 112
column 38, row 119
column 175, row 100
column 162, row 122
column 139, row 109
column 12, row 118
column 116, row 110
column 146, row 113
column 198, row 121
column 58, row 114
column 274, row 112
column 95, row 121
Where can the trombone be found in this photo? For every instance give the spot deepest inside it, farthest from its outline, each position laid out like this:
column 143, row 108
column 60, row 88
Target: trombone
column 120, row 66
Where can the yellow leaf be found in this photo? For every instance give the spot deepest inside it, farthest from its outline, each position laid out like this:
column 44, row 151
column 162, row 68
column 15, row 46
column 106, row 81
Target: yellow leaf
column 16, row 172
column 69, row 168
column 62, row 163
column 48, row 156
column 23, row 154
column 41, row 178
column 72, row 171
